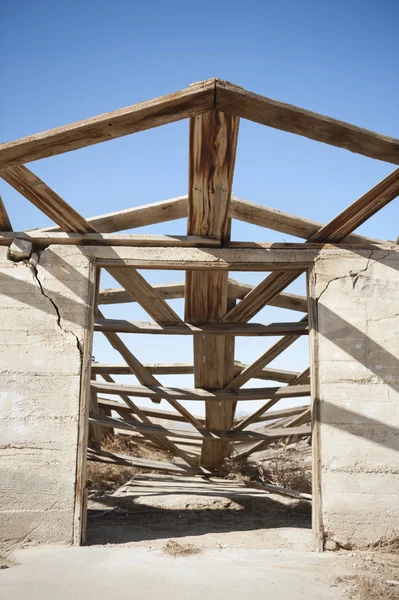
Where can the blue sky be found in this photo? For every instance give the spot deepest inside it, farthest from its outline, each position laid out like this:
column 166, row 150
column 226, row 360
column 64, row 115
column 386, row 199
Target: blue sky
column 67, row 61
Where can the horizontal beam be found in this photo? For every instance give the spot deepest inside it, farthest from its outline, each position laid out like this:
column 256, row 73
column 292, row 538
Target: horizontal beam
column 138, row 216
column 194, row 100
column 149, row 412
column 111, row 458
column 196, row 394
column 279, row 414
column 237, row 290
column 280, row 491
column 241, row 103
column 238, row 257
column 128, row 240
column 188, row 369
column 202, row 434
column 239, row 329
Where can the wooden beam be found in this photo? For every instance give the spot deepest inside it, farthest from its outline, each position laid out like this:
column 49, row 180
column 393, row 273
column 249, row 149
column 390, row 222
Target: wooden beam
column 196, row 99
column 138, row 216
column 240, row 329
column 188, row 369
column 5, row 223
column 236, row 290
column 263, row 216
column 198, row 394
column 43, row 239
column 149, row 412
column 281, row 414
column 213, row 143
column 147, row 296
column 280, row 491
column 237, row 101
column 204, row 434
column 111, row 458
column 335, row 231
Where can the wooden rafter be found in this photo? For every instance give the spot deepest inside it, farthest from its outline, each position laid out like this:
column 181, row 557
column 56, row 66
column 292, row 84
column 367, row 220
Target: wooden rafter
column 5, row 223
column 191, row 101
column 213, row 142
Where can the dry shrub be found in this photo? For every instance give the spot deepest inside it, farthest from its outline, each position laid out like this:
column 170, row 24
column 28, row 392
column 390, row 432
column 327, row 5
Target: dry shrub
column 106, row 477
column 372, row 587
column 175, row 549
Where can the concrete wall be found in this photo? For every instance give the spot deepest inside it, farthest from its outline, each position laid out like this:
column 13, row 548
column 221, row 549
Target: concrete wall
column 357, row 343
column 43, row 314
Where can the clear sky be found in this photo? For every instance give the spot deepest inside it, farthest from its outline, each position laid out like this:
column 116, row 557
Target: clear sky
column 66, row 61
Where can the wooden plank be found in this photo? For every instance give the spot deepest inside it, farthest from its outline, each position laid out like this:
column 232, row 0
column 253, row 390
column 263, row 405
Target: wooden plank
column 43, row 239
column 268, row 435
column 120, row 295
column 149, row 412
column 239, row 290
column 148, row 297
column 138, row 216
column 237, row 101
column 191, row 101
column 5, row 223
column 132, row 461
column 263, row 216
column 276, row 489
column 335, row 231
column 280, row 414
column 267, row 357
column 196, row 394
column 212, row 329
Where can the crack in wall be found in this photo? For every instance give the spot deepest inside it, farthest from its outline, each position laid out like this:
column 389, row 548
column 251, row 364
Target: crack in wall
column 32, row 264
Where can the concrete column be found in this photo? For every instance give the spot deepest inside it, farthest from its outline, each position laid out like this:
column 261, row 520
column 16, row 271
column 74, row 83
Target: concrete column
column 44, row 310
column 356, row 346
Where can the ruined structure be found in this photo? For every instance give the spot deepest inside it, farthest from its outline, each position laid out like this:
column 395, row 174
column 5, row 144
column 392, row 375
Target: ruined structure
column 50, row 299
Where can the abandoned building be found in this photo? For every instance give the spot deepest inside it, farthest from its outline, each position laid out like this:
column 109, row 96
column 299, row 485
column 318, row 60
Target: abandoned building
column 52, row 414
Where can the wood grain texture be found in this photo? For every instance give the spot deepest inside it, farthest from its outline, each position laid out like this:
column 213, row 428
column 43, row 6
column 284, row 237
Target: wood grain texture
column 237, row 101
column 212, row 152
column 120, row 295
column 5, row 223
column 196, row 99
column 168, row 415
column 111, row 458
column 208, row 330
column 138, row 216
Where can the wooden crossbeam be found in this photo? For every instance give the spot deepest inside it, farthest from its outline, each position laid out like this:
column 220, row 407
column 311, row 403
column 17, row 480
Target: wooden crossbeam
column 335, row 231
column 300, row 381
column 138, row 216
column 236, row 291
column 263, row 216
column 281, row 414
column 196, row 394
column 272, row 434
column 237, row 101
column 239, row 329
column 188, row 369
column 191, row 101
column 149, row 412
column 43, row 239
column 111, row 458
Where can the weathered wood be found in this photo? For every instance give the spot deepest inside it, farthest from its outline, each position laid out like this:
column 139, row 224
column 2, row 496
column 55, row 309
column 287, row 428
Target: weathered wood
column 335, row 231
column 149, row 412
column 142, row 463
column 43, row 239
column 237, row 101
column 263, row 216
column 138, row 216
column 204, row 434
column 191, row 101
column 271, row 353
column 148, row 297
column 5, row 223
column 239, row 290
column 120, row 295
column 196, row 394
column 281, row 414
column 276, row 489
column 239, row 329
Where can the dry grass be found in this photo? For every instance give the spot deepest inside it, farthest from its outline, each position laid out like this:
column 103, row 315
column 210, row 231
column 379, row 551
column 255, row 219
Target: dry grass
column 372, row 587
column 175, row 549
column 105, row 477
column 288, row 467
column 378, row 573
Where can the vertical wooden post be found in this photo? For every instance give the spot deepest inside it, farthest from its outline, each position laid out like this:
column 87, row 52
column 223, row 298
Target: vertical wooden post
column 213, row 142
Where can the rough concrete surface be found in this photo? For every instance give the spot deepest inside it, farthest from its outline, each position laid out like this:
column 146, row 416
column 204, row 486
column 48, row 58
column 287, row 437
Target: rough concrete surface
column 93, row 573
column 357, row 344
column 43, row 307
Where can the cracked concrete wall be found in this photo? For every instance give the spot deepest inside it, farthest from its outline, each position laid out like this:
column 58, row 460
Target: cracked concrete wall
column 44, row 308
column 357, row 344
